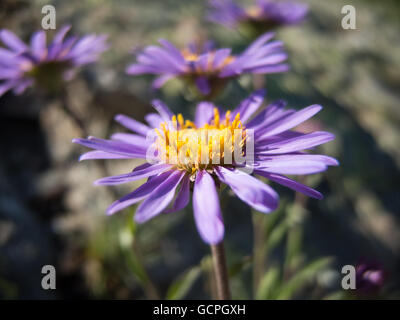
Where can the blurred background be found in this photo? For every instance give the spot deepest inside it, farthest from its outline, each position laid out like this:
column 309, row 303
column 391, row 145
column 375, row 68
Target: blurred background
column 50, row 213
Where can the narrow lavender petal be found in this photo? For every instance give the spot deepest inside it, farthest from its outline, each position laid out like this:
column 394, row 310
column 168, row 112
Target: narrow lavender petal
column 250, row 105
column 159, row 198
column 271, row 59
column 326, row 160
column 130, row 138
column 6, row 54
column 220, row 56
column 258, row 43
column 138, row 69
column 172, row 50
column 113, row 147
column 153, row 119
column 166, row 58
column 255, row 193
column 22, row 85
column 161, row 80
column 138, row 194
column 59, row 37
column 132, row 124
column 203, row 85
column 204, row 113
column 264, row 144
column 134, row 175
column 267, row 114
column 6, row 73
column 270, row 69
column 183, row 197
column 93, row 155
column 12, row 41
column 296, row 167
column 5, row 86
column 294, row 185
column 38, row 45
column 302, row 142
column 165, row 113
column 207, row 210
column 60, row 50
column 291, row 121
column 201, row 64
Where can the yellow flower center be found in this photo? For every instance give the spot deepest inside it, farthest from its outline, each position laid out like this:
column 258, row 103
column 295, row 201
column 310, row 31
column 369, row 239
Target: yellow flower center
column 190, row 148
column 254, row 12
column 193, row 57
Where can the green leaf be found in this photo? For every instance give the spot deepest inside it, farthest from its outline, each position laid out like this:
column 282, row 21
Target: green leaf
column 302, row 277
column 182, row 285
column 137, row 268
column 268, row 284
column 276, row 235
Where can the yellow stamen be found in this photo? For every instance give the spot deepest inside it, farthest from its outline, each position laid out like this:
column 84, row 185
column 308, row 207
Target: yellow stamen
column 190, row 148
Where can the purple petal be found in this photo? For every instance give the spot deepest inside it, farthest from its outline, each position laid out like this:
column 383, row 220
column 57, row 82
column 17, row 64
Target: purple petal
column 172, row 50
column 259, row 42
column 220, row 56
column 291, row 121
column 271, row 69
column 92, row 155
column 207, row 211
column 159, row 198
column 132, row 124
column 302, row 142
column 250, row 105
column 298, row 167
column 203, row 85
column 131, row 138
column 204, row 113
column 139, row 194
column 38, row 44
column 294, row 185
column 5, row 86
column 21, row 86
column 153, row 119
column 112, row 146
column 326, row 160
column 134, row 175
column 252, row 191
column 59, row 37
column 12, row 41
column 161, row 80
column 165, row 113
column 137, row 69
column 183, row 197
column 268, row 115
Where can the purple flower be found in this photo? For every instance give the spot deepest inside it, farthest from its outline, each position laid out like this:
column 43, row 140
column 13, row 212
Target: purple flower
column 207, row 68
column 46, row 65
column 264, row 14
column 369, row 277
column 181, row 157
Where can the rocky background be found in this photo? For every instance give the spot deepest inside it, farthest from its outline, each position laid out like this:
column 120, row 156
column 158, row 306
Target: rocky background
column 50, row 213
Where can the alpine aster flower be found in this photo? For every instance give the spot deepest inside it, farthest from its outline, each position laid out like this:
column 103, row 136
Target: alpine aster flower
column 202, row 155
column 263, row 15
column 206, row 68
column 46, row 65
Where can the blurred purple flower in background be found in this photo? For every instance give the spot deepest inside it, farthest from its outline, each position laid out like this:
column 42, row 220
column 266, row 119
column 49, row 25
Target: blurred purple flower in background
column 264, row 14
column 278, row 151
column 207, row 68
column 369, row 277
column 45, row 65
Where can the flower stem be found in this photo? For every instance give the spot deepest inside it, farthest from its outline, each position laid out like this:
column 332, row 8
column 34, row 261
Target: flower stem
column 221, row 271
